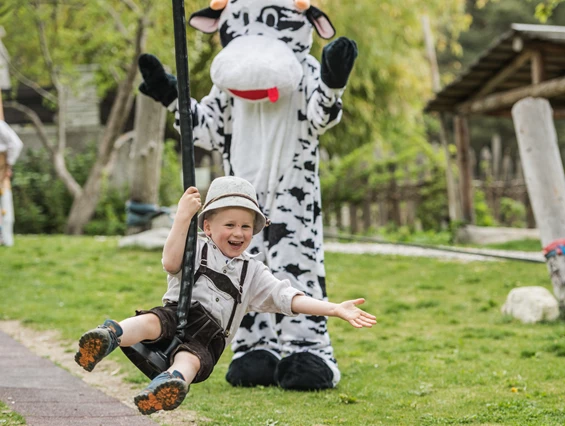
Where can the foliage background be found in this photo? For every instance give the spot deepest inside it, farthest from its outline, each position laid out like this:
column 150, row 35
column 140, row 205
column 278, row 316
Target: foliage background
column 382, row 127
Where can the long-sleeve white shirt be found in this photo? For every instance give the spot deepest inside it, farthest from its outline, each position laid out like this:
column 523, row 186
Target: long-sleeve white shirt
column 10, row 143
column 262, row 292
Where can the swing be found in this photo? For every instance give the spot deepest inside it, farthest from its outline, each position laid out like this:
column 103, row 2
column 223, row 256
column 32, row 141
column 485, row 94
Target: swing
column 153, row 359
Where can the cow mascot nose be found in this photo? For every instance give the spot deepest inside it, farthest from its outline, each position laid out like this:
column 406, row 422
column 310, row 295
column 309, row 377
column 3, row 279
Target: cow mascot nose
column 270, row 102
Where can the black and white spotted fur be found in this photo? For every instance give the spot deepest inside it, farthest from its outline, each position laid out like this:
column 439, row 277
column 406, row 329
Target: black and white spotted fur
column 274, row 145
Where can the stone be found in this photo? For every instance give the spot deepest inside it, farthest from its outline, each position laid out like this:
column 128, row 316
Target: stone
column 150, row 240
column 531, row 305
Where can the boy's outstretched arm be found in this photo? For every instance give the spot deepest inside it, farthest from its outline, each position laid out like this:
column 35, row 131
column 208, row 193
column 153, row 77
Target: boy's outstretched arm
column 173, row 251
column 347, row 311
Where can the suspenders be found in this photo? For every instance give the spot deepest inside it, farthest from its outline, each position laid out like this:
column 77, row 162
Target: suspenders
column 223, row 283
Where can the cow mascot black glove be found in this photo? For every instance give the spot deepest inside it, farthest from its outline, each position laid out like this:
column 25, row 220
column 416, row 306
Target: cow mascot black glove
column 270, row 102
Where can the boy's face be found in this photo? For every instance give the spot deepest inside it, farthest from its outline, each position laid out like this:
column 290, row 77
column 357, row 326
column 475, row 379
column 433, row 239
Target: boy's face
column 231, row 229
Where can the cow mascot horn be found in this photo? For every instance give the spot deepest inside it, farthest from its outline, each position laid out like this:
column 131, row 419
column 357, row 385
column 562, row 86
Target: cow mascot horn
column 270, row 102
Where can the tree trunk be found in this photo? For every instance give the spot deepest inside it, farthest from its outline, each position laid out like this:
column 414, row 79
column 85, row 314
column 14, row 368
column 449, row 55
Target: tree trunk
column 84, row 205
column 147, row 150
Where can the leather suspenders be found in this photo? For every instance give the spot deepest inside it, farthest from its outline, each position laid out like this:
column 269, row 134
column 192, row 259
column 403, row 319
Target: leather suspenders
column 222, row 283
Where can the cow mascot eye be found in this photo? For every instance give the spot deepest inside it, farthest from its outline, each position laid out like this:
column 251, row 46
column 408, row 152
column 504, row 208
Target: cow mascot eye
column 269, row 17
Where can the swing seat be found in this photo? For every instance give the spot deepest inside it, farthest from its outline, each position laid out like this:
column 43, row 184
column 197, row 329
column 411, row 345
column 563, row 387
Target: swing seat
column 149, row 358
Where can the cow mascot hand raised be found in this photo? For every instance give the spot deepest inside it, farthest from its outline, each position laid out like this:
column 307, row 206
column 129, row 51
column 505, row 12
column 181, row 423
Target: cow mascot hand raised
column 269, row 104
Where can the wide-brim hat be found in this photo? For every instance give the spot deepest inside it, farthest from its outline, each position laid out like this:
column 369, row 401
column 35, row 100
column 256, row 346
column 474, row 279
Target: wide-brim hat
column 231, row 191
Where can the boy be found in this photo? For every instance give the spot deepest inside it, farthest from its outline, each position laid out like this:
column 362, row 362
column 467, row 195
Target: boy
column 228, row 283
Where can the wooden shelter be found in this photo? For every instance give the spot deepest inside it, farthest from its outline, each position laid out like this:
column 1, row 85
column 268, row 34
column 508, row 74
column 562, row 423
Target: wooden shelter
column 526, row 61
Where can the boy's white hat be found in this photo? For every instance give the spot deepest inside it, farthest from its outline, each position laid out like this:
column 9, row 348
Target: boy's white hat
column 231, row 191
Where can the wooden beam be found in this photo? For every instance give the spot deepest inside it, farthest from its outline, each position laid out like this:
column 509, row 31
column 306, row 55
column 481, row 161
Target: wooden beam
column 547, row 89
column 506, row 72
column 538, row 69
column 462, row 140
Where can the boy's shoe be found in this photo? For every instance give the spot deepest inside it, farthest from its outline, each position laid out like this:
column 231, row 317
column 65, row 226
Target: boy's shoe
column 95, row 344
column 165, row 392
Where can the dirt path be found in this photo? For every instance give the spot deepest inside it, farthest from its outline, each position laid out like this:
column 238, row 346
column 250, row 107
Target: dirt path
column 106, row 377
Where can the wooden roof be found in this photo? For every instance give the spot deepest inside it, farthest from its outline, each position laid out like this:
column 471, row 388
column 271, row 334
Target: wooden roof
column 527, row 60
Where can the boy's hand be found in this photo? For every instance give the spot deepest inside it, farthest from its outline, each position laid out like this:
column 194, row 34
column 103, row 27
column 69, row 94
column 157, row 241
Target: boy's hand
column 189, row 203
column 358, row 318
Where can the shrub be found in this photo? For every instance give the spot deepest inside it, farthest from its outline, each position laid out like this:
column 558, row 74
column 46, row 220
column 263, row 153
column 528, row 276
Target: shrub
column 512, row 212
column 483, row 214
column 42, row 202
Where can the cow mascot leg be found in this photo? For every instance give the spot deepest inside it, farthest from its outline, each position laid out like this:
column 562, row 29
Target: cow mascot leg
column 270, row 102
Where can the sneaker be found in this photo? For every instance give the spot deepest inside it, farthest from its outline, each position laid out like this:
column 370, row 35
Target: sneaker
column 165, row 392
column 95, row 344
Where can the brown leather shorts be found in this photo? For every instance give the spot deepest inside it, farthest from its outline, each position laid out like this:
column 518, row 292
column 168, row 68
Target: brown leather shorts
column 203, row 337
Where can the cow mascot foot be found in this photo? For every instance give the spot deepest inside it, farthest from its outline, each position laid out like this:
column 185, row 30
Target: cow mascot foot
column 304, row 371
column 255, row 368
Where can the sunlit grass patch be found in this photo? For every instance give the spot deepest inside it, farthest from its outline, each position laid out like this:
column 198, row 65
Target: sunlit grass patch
column 441, row 353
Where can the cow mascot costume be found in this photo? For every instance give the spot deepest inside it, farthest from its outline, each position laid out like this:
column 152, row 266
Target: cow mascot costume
column 269, row 104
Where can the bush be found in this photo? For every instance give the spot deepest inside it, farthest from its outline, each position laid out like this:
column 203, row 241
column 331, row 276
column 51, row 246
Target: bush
column 41, row 201
column 433, row 210
column 483, row 214
column 512, row 212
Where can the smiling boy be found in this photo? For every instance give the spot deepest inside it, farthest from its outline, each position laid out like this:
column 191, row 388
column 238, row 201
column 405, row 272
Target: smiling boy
column 228, row 283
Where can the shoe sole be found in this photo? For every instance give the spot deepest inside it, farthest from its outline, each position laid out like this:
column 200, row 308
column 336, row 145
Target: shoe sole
column 166, row 396
column 92, row 348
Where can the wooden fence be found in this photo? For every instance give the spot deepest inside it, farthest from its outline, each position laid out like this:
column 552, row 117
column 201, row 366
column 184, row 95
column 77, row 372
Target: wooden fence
column 400, row 202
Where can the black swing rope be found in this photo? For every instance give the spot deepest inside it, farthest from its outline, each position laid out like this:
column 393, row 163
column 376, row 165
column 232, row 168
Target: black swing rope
column 153, row 359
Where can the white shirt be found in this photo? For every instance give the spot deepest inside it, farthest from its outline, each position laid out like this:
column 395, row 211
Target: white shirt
column 262, row 292
column 10, row 143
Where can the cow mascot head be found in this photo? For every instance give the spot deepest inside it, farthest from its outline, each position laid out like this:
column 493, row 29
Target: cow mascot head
column 265, row 43
column 270, row 102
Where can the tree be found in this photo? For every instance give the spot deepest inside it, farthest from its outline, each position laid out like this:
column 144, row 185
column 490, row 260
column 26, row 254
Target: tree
column 53, row 38
column 60, row 36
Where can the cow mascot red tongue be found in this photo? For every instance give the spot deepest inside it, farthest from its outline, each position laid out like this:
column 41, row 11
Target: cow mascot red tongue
column 270, row 102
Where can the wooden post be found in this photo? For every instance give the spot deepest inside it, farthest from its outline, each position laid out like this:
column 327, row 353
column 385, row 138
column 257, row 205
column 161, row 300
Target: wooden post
column 462, row 139
column 545, row 180
column 452, row 201
column 496, row 147
column 147, row 150
column 146, row 155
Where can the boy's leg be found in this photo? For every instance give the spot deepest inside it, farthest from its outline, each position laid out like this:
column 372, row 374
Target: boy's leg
column 96, row 344
column 169, row 389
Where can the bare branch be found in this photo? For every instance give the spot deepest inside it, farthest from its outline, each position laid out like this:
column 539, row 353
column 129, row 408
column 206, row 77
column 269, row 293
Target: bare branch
column 45, row 49
column 115, row 74
column 30, row 83
column 62, row 121
column 56, row 156
column 36, row 121
column 123, row 139
column 116, row 16
column 134, row 7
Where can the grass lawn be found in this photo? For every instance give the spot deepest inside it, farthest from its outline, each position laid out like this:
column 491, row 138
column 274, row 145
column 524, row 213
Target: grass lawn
column 442, row 353
column 8, row 417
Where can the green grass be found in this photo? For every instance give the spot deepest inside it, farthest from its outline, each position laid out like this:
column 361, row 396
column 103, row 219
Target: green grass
column 442, row 353
column 8, row 417
column 520, row 245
